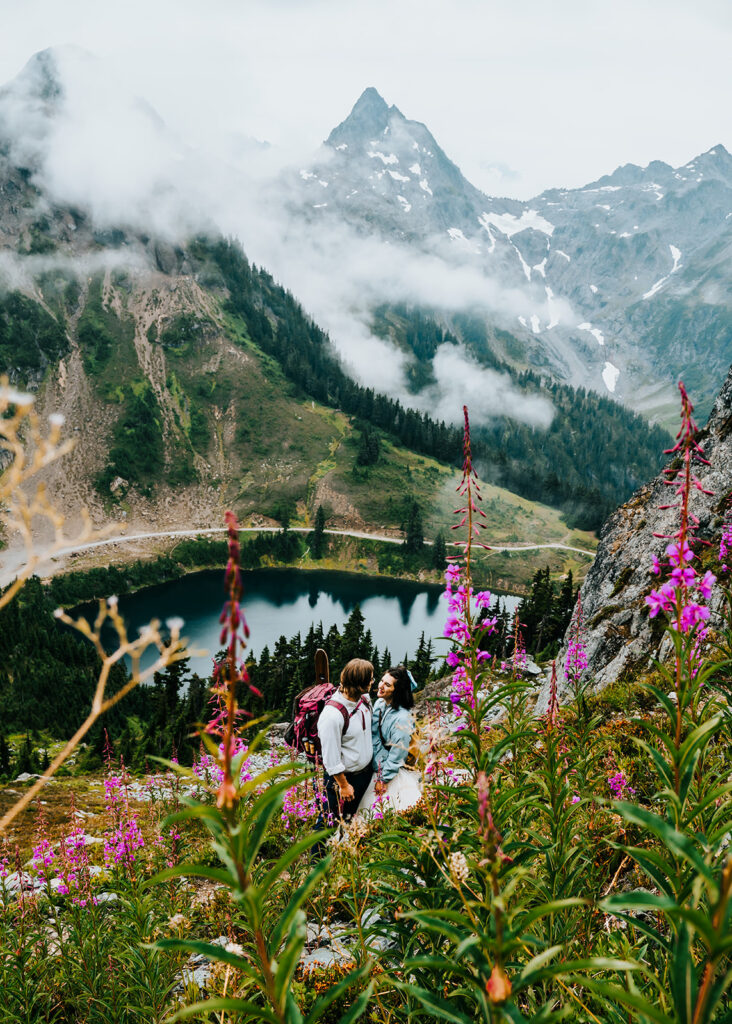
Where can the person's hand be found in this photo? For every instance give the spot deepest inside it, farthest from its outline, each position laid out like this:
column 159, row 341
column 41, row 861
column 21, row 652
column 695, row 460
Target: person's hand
column 379, row 788
column 346, row 791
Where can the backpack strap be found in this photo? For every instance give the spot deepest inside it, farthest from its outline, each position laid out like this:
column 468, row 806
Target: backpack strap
column 363, row 702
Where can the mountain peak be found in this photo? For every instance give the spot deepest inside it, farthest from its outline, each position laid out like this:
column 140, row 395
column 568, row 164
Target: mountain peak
column 368, row 119
column 371, row 101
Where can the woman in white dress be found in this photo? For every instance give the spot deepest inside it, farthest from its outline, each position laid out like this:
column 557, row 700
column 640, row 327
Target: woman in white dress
column 394, row 786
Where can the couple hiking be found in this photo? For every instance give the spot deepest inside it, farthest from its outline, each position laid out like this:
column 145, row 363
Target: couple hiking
column 364, row 748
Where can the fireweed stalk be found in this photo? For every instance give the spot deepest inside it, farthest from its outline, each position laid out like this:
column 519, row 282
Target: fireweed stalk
column 466, row 658
column 681, row 596
column 230, row 673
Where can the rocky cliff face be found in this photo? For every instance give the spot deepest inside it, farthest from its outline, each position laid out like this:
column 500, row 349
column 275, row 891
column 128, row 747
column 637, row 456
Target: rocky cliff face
column 621, row 637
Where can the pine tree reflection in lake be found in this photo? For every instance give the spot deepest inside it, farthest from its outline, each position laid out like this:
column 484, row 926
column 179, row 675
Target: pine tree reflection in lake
column 288, row 601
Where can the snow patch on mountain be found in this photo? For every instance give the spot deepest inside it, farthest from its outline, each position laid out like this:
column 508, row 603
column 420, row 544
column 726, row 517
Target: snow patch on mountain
column 676, row 257
column 610, row 375
column 594, row 331
column 390, row 158
column 425, row 186
column 511, row 225
column 524, row 264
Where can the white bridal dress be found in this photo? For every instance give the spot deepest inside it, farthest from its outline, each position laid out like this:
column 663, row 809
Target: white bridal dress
column 403, row 791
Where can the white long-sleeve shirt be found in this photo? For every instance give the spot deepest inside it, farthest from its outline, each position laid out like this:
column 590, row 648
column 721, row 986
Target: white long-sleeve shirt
column 349, row 752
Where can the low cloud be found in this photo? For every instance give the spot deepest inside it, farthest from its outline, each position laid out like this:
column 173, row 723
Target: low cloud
column 487, row 394
column 95, row 147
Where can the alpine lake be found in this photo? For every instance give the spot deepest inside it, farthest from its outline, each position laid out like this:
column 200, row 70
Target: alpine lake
column 279, row 602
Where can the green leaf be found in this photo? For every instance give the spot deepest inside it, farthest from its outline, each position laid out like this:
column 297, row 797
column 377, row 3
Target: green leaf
column 207, row 949
column 682, row 976
column 296, row 900
column 242, row 1006
column 289, row 957
column 438, row 1007
column 196, row 870
column 676, row 842
column 252, row 830
column 532, row 971
column 633, row 1000
column 359, row 1006
column 291, row 855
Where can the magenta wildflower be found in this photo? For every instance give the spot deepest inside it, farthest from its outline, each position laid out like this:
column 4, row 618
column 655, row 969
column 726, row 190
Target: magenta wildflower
column 575, row 662
column 619, row 786
column 705, row 584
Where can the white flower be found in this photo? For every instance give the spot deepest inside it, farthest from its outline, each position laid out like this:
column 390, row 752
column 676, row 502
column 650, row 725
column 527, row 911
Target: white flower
column 459, row 867
column 57, row 419
column 235, row 948
column 58, row 613
column 175, row 624
column 112, row 601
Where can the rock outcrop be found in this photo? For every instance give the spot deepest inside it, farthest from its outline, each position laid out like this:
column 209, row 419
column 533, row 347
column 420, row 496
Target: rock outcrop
column 621, row 636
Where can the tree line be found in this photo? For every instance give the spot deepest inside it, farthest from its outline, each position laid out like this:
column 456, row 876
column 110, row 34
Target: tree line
column 591, row 458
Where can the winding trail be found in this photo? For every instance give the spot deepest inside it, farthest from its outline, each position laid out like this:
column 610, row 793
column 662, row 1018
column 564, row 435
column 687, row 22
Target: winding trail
column 7, row 572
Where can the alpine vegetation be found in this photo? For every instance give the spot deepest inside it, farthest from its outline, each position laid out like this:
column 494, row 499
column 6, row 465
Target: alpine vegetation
column 566, row 863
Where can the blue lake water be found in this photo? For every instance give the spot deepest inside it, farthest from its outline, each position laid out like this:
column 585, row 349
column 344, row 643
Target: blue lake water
column 287, row 601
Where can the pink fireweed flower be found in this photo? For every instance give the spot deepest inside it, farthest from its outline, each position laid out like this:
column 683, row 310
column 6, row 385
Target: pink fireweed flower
column 680, row 553
column 683, row 576
column 705, row 584
column 575, row 661
column 656, row 567
column 452, row 575
column 691, row 615
column 43, row 858
column 452, row 659
column 661, row 600
column 483, row 599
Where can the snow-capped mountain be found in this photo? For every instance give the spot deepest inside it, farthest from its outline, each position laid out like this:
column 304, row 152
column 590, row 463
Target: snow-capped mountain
column 625, row 284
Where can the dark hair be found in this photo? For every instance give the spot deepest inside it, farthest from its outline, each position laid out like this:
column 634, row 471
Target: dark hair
column 357, row 675
column 402, row 688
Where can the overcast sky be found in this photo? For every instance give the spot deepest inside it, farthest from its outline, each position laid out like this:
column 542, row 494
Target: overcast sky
column 521, row 94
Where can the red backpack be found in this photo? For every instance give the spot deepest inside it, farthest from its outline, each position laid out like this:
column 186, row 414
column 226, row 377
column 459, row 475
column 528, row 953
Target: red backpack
column 302, row 732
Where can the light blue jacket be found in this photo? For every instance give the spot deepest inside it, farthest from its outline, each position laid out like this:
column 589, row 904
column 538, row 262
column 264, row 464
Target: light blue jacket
column 396, row 728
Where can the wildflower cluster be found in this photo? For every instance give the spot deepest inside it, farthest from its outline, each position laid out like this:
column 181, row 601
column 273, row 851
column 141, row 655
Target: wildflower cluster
column 75, row 875
column 619, row 786
column 123, row 838
column 685, row 590
column 462, row 603
column 303, row 803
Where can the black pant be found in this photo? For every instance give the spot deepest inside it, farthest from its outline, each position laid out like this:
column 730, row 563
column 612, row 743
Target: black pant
column 360, row 782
